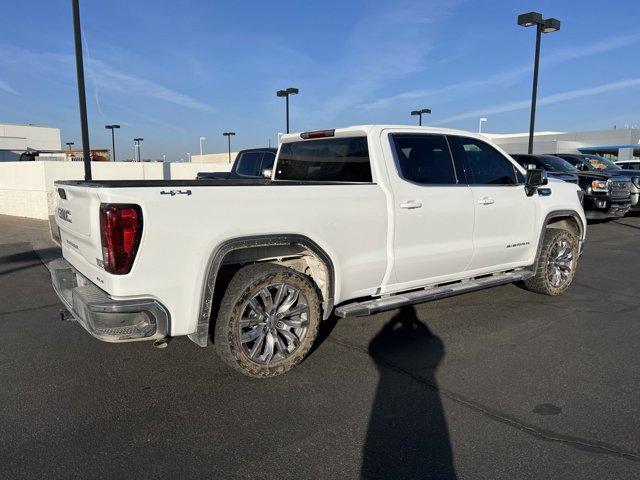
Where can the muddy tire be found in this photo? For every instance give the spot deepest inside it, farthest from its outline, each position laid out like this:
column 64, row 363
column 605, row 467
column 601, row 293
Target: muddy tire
column 268, row 320
column 557, row 263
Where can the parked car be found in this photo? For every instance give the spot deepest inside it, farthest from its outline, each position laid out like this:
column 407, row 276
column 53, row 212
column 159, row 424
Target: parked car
column 629, row 165
column 596, row 163
column 605, row 195
column 354, row 221
column 250, row 163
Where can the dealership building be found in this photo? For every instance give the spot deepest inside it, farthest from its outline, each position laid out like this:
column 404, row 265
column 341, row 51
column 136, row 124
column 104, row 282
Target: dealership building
column 16, row 140
column 616, row 144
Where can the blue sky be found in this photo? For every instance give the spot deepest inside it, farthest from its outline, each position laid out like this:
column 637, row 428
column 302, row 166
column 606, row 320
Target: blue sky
column 172, row 71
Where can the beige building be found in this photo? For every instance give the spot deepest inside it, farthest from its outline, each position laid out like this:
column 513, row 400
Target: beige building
column 214, row 158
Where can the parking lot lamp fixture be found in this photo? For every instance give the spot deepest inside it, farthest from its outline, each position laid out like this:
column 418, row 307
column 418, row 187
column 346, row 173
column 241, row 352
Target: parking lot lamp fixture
column 69, row 145
column 419, row 113
column 482, row 120
column 547, row 25
column 136, row 144
column 113, row 139
column 228, row 135
column 285, row 93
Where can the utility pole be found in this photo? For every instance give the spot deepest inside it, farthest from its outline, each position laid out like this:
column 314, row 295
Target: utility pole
column 82, row 100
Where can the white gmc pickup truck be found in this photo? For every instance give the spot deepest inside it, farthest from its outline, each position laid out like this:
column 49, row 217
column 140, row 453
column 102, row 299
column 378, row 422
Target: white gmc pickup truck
column 352, row 221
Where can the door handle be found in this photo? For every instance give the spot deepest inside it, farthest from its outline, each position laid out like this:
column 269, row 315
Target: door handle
column 410, row 204
column 486, row 201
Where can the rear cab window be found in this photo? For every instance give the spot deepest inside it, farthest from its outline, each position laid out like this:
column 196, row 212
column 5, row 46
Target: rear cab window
column 342, row 159
column 425, row 159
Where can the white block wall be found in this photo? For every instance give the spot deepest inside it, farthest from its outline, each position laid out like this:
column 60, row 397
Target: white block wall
column 26, row 188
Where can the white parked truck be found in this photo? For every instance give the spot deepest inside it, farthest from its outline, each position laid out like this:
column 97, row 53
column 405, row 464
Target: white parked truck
column 352, row 221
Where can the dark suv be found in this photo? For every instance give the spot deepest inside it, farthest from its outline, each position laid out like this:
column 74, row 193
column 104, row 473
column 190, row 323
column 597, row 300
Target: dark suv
column 605, row 196
column 596, row 163
column 250, row 163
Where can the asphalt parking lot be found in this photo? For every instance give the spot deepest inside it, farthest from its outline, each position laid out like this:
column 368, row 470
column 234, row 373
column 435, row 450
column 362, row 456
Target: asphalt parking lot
column 501, row 383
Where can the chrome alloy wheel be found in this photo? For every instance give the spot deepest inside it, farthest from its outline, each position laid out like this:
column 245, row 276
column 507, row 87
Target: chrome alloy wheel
column 561, row 263
column 273, row 323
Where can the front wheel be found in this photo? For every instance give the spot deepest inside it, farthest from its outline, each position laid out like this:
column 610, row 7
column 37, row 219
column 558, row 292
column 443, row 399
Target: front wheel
column 268, row 320
column 557, row 263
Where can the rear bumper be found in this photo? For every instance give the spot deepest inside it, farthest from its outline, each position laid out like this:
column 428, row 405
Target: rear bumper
column 103, row 317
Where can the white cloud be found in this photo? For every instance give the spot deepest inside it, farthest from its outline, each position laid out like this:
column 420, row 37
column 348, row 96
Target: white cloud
column 547, row 100
column 112, row 80
column 510, row 75
column 5, row 87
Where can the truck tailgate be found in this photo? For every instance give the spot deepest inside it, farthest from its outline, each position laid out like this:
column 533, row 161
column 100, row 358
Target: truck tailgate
column 78, row 217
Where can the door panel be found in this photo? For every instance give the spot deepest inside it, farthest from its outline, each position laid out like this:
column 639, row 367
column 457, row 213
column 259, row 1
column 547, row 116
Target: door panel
column 433, row 211
column 505, row 219
column 504, row 215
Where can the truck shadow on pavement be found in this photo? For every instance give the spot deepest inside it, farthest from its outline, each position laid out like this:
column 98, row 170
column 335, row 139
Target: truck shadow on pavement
column 407, row 435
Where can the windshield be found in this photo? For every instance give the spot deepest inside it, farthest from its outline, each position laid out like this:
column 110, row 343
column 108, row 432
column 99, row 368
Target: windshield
column 555, row 164
column 598, row 163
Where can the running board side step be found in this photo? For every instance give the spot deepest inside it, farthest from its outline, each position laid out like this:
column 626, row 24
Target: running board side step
column 369, row 307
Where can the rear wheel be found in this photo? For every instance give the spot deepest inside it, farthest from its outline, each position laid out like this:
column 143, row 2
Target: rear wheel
column 557, row 263
column 268, row 320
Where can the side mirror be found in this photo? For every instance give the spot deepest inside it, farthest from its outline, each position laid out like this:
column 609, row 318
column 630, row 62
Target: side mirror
column 535, row 178
column 267, row 172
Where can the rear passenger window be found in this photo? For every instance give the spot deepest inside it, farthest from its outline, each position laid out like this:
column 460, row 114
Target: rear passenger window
column 425, row 159
column 330, row 159
column 484, row 164
column 267, row 161
column 248, row 164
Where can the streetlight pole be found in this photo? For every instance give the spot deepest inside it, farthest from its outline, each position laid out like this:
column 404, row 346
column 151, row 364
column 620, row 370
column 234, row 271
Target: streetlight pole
column 285, row 93
column 202, row 139
column 113, row 139
column 482, row 120
column 136, row 143
column 69, row 145
column 229, row 135
column 82, row 100
column 547, row 25
column 419, row 113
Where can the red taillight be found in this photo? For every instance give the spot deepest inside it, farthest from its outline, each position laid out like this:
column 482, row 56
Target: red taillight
column 121, row 229
column 318, row 134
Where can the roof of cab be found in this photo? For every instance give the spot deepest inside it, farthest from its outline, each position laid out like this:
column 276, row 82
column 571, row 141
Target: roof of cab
column 372, row 129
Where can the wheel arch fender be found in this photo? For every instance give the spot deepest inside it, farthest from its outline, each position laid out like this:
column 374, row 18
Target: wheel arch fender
column 559, row 219
column 254, row 244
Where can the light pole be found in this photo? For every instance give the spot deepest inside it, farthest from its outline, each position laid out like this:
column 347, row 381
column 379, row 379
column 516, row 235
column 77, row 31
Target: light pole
column 189, row 156
column 113, row 139
column 202, row 139
column 419, row 113
column 82, row 99
column 69, row 145
column 164, row 158
column 228, row 135
column 482, row 120
column 547, row 25
column 285, row 93
column 136, row 144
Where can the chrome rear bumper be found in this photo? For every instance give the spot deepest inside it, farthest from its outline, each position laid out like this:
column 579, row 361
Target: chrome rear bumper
column 103, row 317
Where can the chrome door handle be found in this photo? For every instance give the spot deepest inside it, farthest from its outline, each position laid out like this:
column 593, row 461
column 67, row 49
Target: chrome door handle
column 411, row 204
column 486, row 201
